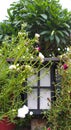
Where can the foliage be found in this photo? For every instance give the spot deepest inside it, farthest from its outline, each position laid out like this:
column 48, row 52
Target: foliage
column 6, row 29
column 59, row 117
column 45, row 17
column 17, row 63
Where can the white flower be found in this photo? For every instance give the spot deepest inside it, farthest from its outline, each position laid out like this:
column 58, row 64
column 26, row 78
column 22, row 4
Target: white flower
column 17, row 65
column 58, row 49
column 37, row 35
column 31, row 113
column 41, row 56
column 67, row 48
column 20, row 34
column 13, row 110
column 28, row 68
column 25, row 108
column 11, row 67
column 23, row 111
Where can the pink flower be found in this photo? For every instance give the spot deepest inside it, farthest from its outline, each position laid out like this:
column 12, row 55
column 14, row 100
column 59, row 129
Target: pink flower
column 48, row 128
column 38, row 48
column 65, row 66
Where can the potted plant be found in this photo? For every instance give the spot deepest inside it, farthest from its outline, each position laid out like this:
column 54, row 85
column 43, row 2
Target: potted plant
column 16, row 56
column 5, row 124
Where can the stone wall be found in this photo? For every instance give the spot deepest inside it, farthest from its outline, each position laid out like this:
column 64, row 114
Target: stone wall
column 38, row 124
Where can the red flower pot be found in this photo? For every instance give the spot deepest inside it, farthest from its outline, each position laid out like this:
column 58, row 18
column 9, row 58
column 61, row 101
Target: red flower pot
column 5, row 124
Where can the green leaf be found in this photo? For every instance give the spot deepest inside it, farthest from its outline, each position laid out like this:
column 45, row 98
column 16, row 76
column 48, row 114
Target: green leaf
column 66, row 33
column 44, row 32
column 44, row 16
column 1, row 36
column 51, row 38
column 66, row 25
column 64, row 41
column 61, row 33
column 57, row 39
column 52, row 33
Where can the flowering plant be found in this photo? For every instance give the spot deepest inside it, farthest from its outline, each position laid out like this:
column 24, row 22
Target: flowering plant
column 59, row 116
column 16, row 65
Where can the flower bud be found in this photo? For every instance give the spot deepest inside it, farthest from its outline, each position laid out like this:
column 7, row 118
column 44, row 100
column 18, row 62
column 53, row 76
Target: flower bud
column 65, row 66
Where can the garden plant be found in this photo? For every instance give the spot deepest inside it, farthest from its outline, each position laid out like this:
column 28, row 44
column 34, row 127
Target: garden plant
column 18, row 58
column 59, row 116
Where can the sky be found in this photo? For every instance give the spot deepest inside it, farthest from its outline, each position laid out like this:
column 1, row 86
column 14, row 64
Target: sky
column 4, row 4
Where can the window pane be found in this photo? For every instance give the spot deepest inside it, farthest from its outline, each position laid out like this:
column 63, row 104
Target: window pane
column 32, row 99
column 45, row 98
column 32, row 81
column 44, row 77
